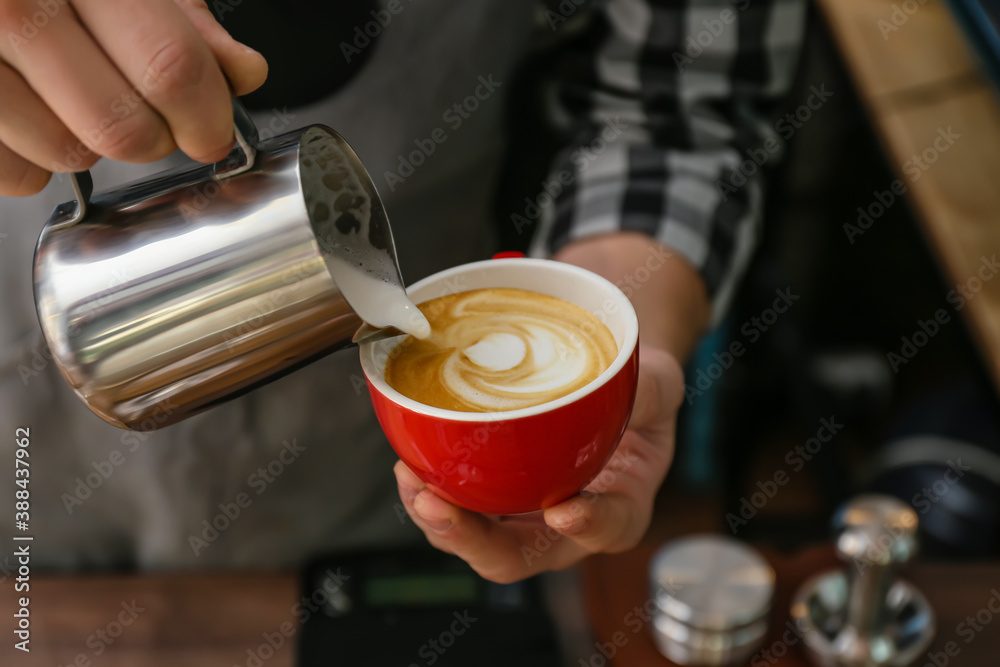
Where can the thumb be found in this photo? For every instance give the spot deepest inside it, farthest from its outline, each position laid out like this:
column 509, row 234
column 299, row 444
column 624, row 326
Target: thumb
column 245, row 68
column 597, row 522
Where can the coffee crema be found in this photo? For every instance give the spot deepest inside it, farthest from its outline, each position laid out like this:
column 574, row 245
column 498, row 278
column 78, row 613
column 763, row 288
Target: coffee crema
column 500, row 349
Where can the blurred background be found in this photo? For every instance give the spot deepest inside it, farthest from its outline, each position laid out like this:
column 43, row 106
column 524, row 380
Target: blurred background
column 878, row 370
column 861, row 355
column 864, row 281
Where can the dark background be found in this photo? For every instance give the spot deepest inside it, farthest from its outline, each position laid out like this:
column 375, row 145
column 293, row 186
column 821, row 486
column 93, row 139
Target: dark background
column 827, row 356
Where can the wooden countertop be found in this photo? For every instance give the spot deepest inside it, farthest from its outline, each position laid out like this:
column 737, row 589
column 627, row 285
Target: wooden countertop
column 218, row 620
column 170, row 620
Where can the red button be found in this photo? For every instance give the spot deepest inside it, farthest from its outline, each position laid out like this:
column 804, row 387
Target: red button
column 508, row 254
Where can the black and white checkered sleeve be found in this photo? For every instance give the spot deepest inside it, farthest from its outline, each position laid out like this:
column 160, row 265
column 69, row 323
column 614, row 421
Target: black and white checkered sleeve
column 661, row 102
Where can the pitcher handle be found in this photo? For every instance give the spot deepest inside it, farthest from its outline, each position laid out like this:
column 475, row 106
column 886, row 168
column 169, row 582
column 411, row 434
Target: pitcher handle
column 83, row 188
column 247, row 139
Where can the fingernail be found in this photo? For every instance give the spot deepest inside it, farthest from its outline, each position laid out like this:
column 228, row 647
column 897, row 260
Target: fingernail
column 252, row 52
column 439, row 526
column 569, row 525
column 218, row 155
column 407, row 494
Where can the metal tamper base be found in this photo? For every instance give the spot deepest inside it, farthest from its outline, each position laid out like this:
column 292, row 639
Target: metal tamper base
column 713, row 596
column 864, row 616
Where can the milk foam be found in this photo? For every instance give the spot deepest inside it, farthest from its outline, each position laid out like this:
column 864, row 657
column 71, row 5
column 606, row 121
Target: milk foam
column 353, row 236
column 380, row 304
column 501, row 349
column 497, row 352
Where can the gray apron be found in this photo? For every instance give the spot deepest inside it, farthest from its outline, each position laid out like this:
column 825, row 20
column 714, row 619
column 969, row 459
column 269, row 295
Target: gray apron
column 298, row 467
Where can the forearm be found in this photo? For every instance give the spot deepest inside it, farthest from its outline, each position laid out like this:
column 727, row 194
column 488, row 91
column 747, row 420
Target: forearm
column 669, row 296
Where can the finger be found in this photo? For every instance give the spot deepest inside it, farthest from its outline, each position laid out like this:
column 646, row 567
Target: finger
column 245, row 68
column 493, row 550
column 608, row 522
column 409, row 484
column 28, row 127
column 410, row 488
column 73, row 77
column 430, row 511
column 490, row 548
column 19, row 177
column 171, row 67
column 659, row 390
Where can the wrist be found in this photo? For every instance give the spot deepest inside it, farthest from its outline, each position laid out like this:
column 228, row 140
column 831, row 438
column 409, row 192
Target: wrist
column 668, row 294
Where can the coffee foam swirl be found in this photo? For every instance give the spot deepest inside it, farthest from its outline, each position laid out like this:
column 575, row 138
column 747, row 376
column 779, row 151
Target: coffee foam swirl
column 501, row 349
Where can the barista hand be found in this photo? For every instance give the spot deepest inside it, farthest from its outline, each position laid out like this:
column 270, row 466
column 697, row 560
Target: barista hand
column 614, row 511
column 127, row 80
column 610, row 516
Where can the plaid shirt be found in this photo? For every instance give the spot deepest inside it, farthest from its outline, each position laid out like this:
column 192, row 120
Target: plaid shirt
column 662, row 103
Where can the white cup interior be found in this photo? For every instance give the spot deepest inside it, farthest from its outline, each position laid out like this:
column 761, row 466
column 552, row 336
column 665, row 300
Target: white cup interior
column 576, row 285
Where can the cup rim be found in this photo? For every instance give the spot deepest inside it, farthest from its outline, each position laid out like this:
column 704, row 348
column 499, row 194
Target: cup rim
column 630, row 340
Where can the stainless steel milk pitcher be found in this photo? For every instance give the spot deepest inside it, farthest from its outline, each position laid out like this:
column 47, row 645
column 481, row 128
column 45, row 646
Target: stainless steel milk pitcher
column 165, row 297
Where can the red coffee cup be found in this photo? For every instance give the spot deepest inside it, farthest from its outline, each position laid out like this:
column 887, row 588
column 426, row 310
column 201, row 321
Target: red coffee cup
column 520, row 460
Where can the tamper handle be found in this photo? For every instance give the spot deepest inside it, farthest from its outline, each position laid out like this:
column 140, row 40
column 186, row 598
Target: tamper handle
column 875, row 535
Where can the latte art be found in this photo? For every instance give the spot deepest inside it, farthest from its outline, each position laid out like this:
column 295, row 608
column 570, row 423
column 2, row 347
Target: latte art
column 500, row 349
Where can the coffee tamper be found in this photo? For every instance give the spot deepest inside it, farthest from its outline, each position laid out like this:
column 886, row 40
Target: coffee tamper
column 713, row 597
column 863, row 615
